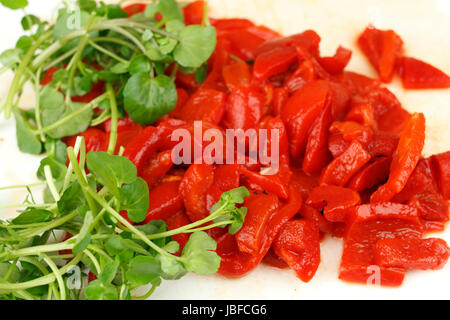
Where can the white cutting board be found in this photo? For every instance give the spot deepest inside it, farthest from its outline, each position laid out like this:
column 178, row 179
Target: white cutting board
column 424, row 26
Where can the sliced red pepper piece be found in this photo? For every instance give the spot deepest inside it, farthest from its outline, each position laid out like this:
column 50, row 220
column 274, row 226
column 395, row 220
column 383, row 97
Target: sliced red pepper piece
column 358, row 83
column 194, row 185
column 157, row 167
column 269, row 183
column 383, row 144
column 337, row 145
column 362, row 112
column 244, row 108
column 317, row 154
column 299, row 246
column 371, row 175
column 206, row 105
column 303, row 74
column 442, row 165
column 412, row 254
column 417, row 74
column 194, row 12
column 273, row 62
column 176, row 221
column 342, row 168
column 95, row 140
column 405, row 159
column 303, row 182
column 221, row 57
column 314, row 215
column 337, row 63
column 280, row 96
column 300, row 111
column 431, row 207
column 165, row 201
column 259, row 211
column 182, row 98
column 366, row 225
column 309, row 40
column 142, row 147
column 334, row 201
column 273, row 260
column 236, row 74
column 351, row 130
column 382, row 48
column 134, row 8
column 127, row 129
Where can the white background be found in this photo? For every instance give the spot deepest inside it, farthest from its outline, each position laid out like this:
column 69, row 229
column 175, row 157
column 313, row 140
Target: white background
column 424, row 26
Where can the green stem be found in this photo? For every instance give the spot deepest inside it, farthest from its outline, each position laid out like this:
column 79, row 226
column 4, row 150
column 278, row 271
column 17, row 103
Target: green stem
column 114, row 118
column 59, row 279
column 50, row 184
column 117, row 41
column 37, row 112
column 23, row 186
column 49, row 225
column 107, row 52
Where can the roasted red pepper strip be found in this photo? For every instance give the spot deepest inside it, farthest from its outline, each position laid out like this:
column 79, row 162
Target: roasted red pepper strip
column 309, row 40
column 317, row 154
column 194, row 12
column 236, row 74
column 300, row 111
column 334, row 201
column 405, row 159
column 269, row 183
column 383, row 144
column 157, row 167
column 135, row 8
column 95, row 140
column 411, row 254
column 417, row 74
column 176, row 221
column 298, row 245
column 337, row 63
column 260, row 209
column 206, row 105
column 142, row 147
column 431, row 207
column 165, row 201
column 442, row 165
column 382, row 48
column 280, row 96
column 273, row 62
column 342, row 168
column 314, row 215
column 371, row 175
column 351, row 130
column 244, row 108
column 366, row 225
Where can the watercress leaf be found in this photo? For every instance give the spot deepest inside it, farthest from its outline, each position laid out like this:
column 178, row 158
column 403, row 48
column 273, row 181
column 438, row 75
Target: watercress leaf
column 170, row 10
column 143, row 270
column 97, row 290
column 27, row 141
column 152, row 227
column 198, row 256
column 57, row 168
column 172, row 247
column 14, row 4
column 54, row 109
column 167, row 45
column 134, row 198
column 5, row 268
column 56, row 149
column 172, row 269
column 120, row 68
column 10, row 57
column 147, row 35
column 239, row 217
column 147, row 99
column 71, row 199
column 174, row 26
column 110, row 170
column 87, row 5
column 109, row 272
column 140, row 63
column 151, row 10
column 196, row 45
column 114, row 11
column 24, row 43
column 200, row 74
column 83, row 237
column 32, row 215
column 29, row 21
column 69, row 21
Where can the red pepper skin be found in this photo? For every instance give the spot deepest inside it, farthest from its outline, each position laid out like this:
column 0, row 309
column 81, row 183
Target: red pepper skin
column 300, row 111
column 334, row 201
column 303, row 74
column 352, row 131
column 412, row 254
column 383, row 144
column 95, row 139
column 244, row 108
column 371, row 175
column 194, row 12
column 270, row 183
column 442, row 164
column 431, row 207
column 337, row 63
column 361, row 112
column 417, row 74
column 309, row 40
column 337, row 145
column 226, row 177
column 165, row 201
column 231, row 24
column 176, row 221
column 299, row 246
column 342, row 168
column 126, row 131
column 273, row 62
column 135, row 8
column 280, row 96
column 194, row 185
column 182, row 98
column 382, row 48
column 236, row 74
column 317, row 154
column 357, row 83
column 142, row 147
column 205, row 105
column 157, row 167
column 366, row 225
column 405, row 159
column 394, row 120
column 273, row 260
column 303, row 182
column 220, row 58
column 311, row 214
column 260, row 209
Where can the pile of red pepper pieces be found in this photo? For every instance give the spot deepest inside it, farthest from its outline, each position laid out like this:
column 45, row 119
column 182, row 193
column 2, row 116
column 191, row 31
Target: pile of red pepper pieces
column 350, row 155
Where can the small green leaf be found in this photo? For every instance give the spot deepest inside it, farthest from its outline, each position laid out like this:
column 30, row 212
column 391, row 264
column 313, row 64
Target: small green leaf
column 143, row 270
column 134, row 198
column 196, row 45
column 57, row 168
column 170, row 10
column 198, row 255
column 27, row 141
column 140, row 63
column 172, row 269
column 110, row 170
column 71, row 199
column 29, row 21
column 97, row 290
column 14, row 4
column 148, row 99
column 10, row 57
column 69, row 21
column 32, row 215
column 109, row 272
column 84, row 237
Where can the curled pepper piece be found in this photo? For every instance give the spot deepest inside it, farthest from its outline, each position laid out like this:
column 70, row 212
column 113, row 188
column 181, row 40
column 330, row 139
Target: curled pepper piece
column 142, row 147
column 442, row 164
column 298, row 245
column 273, row 62
column 342, row 168
column 244, row 108
column 351, row 130
column 165, row 201
column 309, row 40
column 372, row 174
column 157, row 167
column 417, row 74
column 206, row 105
column 405, row 159
column 336, row 63
column 366, row 225
column 194, row 12
column 270, row 183
column 314, row 215
column 431, row 207
column 334, row 201
column 95, row 139
column 412, row 254
column 236, row 74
